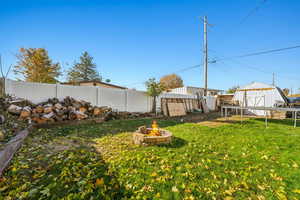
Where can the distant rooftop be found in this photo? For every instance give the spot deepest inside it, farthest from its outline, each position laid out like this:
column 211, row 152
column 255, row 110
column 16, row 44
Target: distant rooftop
column 95, row 82
column 200, row 88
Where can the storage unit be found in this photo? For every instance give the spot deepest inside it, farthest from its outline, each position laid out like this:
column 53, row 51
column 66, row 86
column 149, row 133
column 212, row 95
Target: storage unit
column 259, row 95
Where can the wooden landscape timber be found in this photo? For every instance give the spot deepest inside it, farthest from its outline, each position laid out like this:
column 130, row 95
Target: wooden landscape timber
column 11, row 147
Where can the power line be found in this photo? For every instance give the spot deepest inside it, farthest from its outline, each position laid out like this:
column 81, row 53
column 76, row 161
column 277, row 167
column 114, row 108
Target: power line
column 176, row 72
column 235, row 27
column 255, row 68
column 252, row 11
column 259, row 53
column 188, row 68
column 266, row 72
column 234, row 57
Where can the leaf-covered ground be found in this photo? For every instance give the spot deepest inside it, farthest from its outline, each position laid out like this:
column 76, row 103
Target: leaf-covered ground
column 99, row 161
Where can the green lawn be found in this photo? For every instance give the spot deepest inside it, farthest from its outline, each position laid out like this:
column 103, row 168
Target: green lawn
column 99, row 161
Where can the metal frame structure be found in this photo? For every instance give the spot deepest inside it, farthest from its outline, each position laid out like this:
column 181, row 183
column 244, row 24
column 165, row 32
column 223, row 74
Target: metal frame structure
column 293, row 110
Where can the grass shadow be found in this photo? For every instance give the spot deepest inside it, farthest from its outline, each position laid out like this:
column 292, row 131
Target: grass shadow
column 287, row 122
column 175, row 143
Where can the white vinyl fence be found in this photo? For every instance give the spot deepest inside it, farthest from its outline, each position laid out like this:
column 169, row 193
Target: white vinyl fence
column 121, row 100
column 211, row 102
column 118, row 99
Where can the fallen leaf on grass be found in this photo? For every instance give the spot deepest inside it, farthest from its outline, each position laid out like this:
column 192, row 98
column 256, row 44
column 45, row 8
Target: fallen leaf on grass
column 297, row 191
column 154, row 174
column 99, row 181
column 295, row 165
column 174, row 189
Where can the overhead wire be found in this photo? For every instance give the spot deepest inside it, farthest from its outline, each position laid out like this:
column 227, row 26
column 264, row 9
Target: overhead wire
column 251, row 12
column 260, row 53
column 256, row 68
column 233, row 58
column 175, row 72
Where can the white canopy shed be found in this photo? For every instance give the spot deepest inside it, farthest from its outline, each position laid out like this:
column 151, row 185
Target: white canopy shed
column 259, row 95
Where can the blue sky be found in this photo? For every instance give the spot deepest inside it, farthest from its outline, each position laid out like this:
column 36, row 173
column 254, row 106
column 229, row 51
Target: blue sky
column 132, row 41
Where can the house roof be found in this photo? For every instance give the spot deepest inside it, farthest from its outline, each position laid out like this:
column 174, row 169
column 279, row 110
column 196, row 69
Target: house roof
column 257, row 85
column 100, row 82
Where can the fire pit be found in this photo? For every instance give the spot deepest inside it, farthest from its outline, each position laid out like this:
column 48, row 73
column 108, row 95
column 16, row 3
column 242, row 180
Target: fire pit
column 151, row 136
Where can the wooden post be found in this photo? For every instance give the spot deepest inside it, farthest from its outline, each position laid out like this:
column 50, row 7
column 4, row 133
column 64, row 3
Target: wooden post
column 3, row 87
column 241, row 115
column 266, row 120
column 295, row 123
column 222, row 111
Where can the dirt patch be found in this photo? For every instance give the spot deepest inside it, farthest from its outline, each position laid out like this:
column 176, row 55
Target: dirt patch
column 221, row 121
column 195, row 117
column 62, row 144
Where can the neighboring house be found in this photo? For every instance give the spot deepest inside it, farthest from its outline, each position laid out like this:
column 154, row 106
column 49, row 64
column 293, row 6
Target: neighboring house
column 195, row 91
column 259, row 95
column 95, row 83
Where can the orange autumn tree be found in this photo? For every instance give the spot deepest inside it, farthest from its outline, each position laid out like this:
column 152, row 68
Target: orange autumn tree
column 34, row 65
column 171, row 81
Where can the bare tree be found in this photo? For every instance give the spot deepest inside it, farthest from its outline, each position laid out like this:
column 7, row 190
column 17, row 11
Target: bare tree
column 3, row 77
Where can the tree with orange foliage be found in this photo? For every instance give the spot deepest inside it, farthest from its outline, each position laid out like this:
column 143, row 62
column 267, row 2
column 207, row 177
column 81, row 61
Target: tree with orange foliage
column 171, row 81
column 34, row 65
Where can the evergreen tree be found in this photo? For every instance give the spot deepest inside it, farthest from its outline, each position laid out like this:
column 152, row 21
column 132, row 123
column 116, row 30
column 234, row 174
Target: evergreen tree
column 34, row 65
column 85, row 70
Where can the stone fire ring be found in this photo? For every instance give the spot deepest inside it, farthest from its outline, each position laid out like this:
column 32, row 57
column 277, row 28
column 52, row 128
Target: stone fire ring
column 142, row 139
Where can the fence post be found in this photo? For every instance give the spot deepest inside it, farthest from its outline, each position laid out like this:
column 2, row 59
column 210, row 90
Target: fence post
column 149, row 103
column 126, row 100
column 97, row 96
column 56, row 95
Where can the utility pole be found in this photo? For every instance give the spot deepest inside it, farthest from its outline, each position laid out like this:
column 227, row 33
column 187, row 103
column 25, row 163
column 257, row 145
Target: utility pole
column 273, row 82
column 205, row 56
